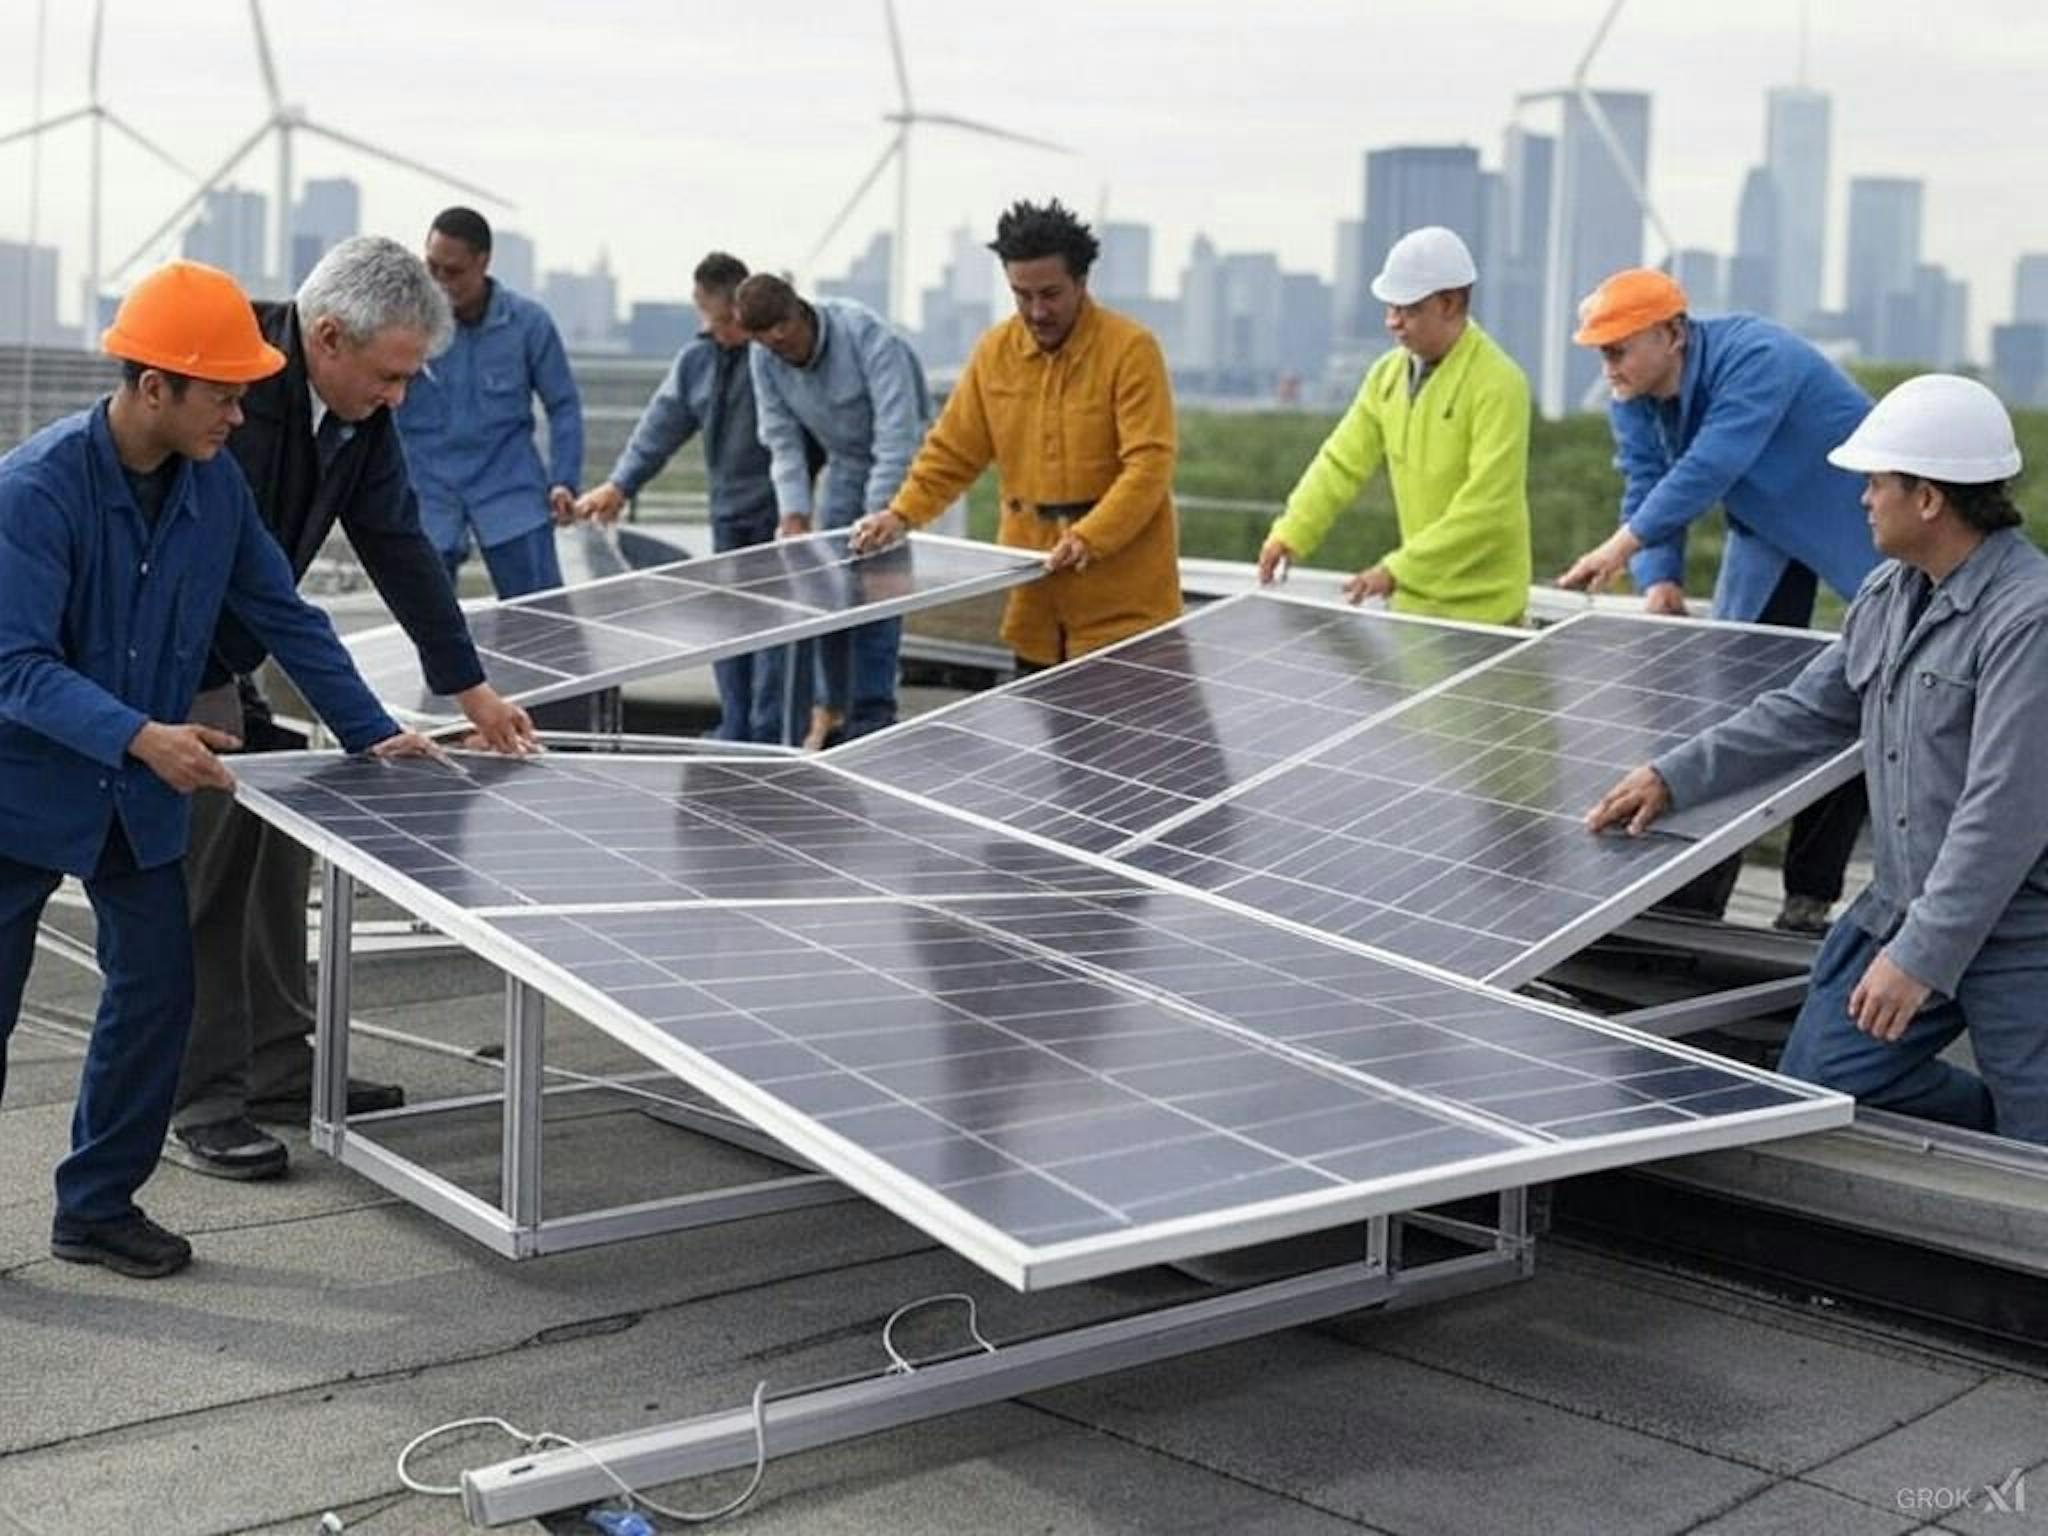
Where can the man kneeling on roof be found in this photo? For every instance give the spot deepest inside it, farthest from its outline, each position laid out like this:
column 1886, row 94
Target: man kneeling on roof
column 1942, row 669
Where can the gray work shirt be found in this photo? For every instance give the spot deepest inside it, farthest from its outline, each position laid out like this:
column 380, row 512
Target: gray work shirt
column 1953, row 711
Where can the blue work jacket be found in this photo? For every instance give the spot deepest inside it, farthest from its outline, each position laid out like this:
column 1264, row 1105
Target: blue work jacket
column 1756, row 413
column 467, row 423
column 105, row 624
column 709, row 389
column 862, row 396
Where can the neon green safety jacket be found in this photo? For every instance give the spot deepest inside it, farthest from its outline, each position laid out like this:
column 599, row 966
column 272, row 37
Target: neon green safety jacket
column 1458, row 458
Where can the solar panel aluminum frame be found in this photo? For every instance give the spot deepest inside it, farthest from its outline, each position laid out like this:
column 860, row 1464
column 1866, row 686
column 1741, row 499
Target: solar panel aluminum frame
column 1019, row 1265
column 1020, row 570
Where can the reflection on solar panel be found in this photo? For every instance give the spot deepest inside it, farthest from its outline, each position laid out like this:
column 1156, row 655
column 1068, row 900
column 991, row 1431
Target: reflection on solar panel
column 576, row 640
column 1450, row 830
column 600, row 828
column 1054, row 1068
column 1095, row 752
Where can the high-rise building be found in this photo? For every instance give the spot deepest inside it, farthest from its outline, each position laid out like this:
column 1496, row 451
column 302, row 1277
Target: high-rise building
column 1753, row 270
column 1201, row 312
column 867, row 279
column 955, row 312
column 1251, row 320
column 2030, row 288
column 1304, row 340
column 1884, row 251
column 512, row 260
column 1602, row 231
column 229, row 234
column 1124, row 269
column 1351, row 303
column 585, row 306
column 2019, row 362
column 1514, row 308
column 1699, row 273
column 28, row 297
column 658, row 328
column 1412, row 185
column 1796, row 152
column 329, row 211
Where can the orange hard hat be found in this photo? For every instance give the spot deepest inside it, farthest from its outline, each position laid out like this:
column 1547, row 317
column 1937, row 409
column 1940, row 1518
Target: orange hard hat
column 192, row 319
column 1630, row 301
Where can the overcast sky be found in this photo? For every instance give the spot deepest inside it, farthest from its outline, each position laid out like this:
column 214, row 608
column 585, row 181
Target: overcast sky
column 655, row 131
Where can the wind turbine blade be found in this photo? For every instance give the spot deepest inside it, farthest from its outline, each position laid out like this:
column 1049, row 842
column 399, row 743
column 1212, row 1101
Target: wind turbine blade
column 874, row 174
column 1599, row 38
column 896, row 53
column 990, row 130
column 46, row 125
column 1530, row 98
column 114, row 121
column 92, row 70
column 363, row 146
column 177, row 217
column 263, row 58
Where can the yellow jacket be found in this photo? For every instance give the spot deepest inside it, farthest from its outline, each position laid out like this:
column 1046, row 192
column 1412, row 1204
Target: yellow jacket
column 1092, row 422
column 1458, row 458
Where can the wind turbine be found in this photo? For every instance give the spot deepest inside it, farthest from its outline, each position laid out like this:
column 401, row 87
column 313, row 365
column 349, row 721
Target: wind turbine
column 905, row 118
column 1557, row 295
column 286, row 119
column 100, row 117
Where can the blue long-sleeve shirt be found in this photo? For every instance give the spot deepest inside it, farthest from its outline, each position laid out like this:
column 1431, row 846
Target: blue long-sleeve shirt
column 1756, row 413
column 709, row 389
column 862, row 396
column 467, row 422
column 105, row 623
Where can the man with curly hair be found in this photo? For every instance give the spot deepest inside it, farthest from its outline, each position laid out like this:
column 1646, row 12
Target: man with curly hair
column 1072, row 403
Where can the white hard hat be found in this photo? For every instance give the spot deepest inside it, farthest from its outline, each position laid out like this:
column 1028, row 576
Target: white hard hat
column 1424, row 261
column 1939, row 426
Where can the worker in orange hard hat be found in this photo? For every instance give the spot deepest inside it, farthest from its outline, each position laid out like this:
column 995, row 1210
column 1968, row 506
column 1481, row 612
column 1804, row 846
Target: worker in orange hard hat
column 1738, row 412
column 123, row 533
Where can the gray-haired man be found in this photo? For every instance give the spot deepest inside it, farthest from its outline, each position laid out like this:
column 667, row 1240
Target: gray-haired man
column 318, row 446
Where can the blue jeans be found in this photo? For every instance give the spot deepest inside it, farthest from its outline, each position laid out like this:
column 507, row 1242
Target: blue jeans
column 524, row 563
column 138, row 1035
column 857, row 667
column 751, row 688
column 2002, row 1000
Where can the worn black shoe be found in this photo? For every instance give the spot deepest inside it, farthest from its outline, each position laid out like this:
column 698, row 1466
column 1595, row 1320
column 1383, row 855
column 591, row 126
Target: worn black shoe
column 364, row 1098
column 1806, row 915
column 136, row 1246
column 227, row 1149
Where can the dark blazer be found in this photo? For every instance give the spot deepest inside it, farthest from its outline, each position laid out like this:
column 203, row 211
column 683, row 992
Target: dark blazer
column 367, row 489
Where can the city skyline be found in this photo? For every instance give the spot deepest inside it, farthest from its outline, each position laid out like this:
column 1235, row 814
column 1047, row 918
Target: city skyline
column 1275, row 173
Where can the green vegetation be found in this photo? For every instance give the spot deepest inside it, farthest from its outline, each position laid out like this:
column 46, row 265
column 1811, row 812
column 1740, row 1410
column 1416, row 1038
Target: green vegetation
column 1256, row 456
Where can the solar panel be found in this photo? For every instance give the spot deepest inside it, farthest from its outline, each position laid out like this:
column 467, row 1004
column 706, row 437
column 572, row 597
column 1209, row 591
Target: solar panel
column 499, row 832
column 1450, row 829
column 576, row 640
column 1058, row 1070
column 1093, row 753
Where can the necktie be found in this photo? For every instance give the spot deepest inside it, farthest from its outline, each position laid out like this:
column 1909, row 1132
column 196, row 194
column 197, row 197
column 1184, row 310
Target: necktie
column 328, row 440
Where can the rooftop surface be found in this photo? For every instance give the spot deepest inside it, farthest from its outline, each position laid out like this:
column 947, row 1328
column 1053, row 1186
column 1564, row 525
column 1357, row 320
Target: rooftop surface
column 324, row 1324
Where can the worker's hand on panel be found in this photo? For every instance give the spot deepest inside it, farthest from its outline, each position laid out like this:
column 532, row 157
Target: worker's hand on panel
column 1373, row 581
column 1274, row 559
column 1637, row 800
column 878, row 530
column 183, row 755
column 1665, row 597
column 601, row 504
column 500, row 725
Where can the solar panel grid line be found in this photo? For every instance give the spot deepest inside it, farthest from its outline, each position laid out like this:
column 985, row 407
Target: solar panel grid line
column 1278, row 593
column 629, row 645
column 1105, row 746
column 1698, row 856
column 1421, row 969
column 1217, row 1021
column 1357, row 729
column 937, row 1207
